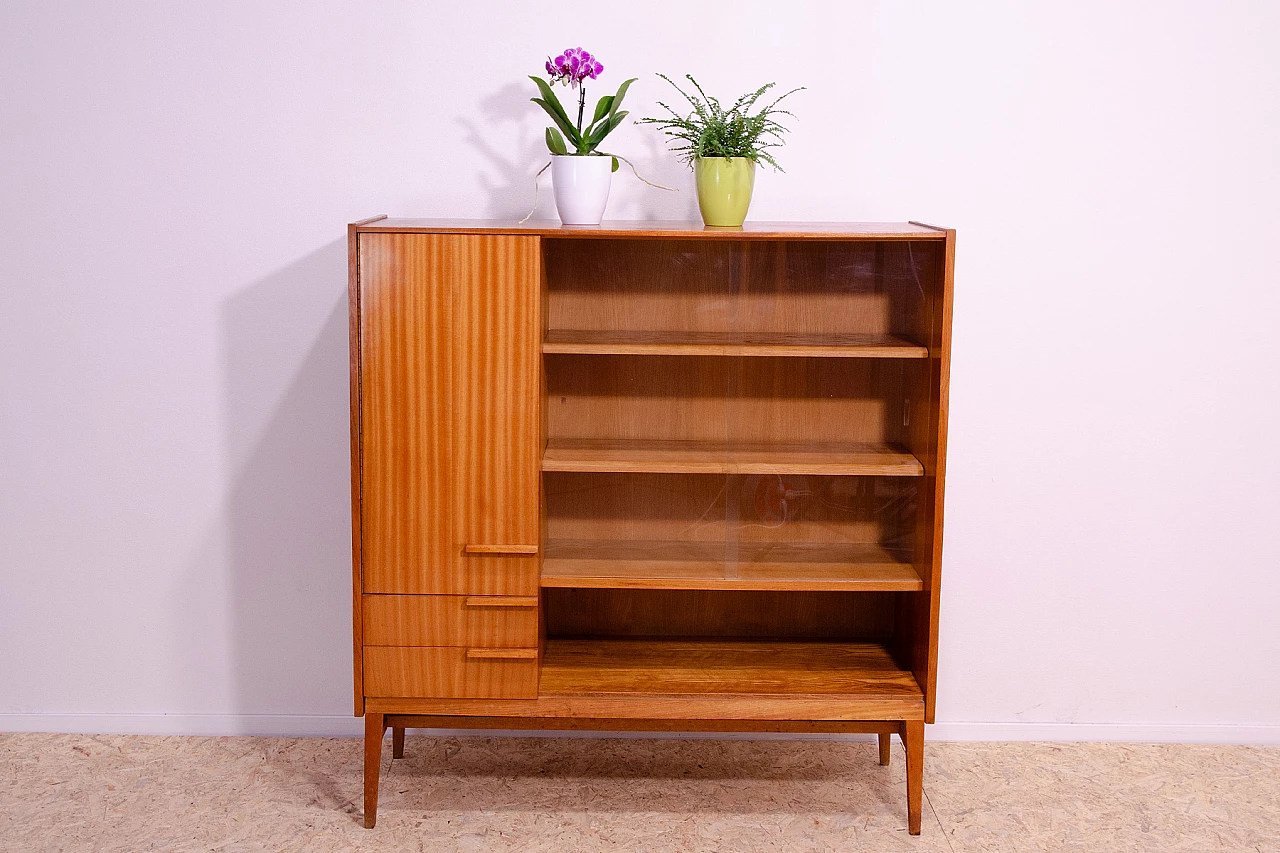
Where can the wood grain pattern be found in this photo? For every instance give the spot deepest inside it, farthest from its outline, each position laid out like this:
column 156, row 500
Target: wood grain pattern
column 353, row 344
column 522, row 601
column 406, row 413
column 844, row 708
column 427, row 671
column 639, row 613
column 884, row 744
column 736, row 511
column 397, row 742
column 925, row 386
column 752, row 290
column 938, row 502
column 913, row 741
column 498, row 410
column 502, row 654
column 619, row 564
column 709, row 457
column 450, row 620
column 451, row 402
column 744, row 400
column 425, row 721
column 749, row 344
column 712, row 667
column 664, row 229
column 494, row 550
column 374, row 729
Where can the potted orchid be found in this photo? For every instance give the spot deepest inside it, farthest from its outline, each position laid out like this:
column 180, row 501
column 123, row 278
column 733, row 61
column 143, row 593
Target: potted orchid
column 580, row 172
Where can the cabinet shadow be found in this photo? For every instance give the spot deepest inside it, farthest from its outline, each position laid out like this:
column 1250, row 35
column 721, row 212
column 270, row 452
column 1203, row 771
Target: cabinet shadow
column 287, row 521
column 620, row 775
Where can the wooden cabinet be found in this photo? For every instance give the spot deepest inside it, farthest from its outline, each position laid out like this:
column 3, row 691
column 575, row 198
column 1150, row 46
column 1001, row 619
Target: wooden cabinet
column 648, row 476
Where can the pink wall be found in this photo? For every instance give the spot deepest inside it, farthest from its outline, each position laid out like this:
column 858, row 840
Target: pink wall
column 175, row 183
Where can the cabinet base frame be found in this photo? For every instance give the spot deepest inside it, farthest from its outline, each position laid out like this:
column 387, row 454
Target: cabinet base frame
column 377, row 723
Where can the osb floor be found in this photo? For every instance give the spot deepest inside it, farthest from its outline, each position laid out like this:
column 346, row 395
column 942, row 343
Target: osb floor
column 81, row 792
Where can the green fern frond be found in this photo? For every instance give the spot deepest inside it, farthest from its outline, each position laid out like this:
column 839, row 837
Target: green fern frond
column 712, row 131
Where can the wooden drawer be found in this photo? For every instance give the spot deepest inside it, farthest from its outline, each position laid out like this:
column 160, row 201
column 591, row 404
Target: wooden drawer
column 424, row 672
column 464, row 574
column 495, row 621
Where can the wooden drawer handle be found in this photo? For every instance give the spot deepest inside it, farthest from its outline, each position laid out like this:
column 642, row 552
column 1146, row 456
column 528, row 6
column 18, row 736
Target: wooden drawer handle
column 502, row 654
column 502, row 601
column 500, row 549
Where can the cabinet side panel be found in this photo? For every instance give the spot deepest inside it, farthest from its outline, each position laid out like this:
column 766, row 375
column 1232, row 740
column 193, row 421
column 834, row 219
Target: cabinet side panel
column 353, row 339
column 925, row 387
column 406, row 385
column 498, row 411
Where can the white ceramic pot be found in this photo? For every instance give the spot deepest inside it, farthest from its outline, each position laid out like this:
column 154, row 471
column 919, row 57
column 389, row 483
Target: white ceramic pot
column 581, row 186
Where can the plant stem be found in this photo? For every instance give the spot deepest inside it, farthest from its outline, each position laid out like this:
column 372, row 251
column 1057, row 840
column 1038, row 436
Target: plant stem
column 582, row 102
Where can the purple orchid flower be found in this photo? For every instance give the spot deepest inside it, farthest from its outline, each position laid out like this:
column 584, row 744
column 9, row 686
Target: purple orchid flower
column 573, row 66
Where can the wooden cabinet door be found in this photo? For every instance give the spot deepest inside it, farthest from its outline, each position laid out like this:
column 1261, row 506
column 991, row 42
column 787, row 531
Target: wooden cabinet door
column 497, row 413
column 450, row 413
column 406, row 411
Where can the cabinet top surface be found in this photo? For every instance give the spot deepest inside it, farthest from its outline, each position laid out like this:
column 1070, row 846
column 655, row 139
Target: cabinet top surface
column 663, row 229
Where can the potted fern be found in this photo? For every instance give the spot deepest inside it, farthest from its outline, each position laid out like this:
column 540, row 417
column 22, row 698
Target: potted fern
column 580, row 173
column 724, row 146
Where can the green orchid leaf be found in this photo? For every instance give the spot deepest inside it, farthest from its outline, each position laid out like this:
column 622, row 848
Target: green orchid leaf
column 570, row 132
column 615, row 164
column 554, row 108
column 598, row 135
column 617, row 99
column 549, row 95
column 602, row 108
column 555, row 142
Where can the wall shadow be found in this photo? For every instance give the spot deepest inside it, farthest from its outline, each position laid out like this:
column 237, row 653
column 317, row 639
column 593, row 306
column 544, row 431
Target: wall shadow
column 287, row 521
column 508, row 179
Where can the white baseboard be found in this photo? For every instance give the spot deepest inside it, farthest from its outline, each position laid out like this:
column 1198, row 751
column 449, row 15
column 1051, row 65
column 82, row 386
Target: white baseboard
column 217, row 725
column 285, row 725
column 1261, row 735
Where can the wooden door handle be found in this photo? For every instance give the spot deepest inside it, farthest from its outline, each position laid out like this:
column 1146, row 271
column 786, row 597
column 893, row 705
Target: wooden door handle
column 502, row 654
column 501, row 601
column 499, row 549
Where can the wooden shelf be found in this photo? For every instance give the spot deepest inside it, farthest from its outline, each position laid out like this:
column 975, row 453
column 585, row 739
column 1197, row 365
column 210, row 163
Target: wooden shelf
column 581, row 342
column 659, row 667
column 615, row 564
column 709, row 457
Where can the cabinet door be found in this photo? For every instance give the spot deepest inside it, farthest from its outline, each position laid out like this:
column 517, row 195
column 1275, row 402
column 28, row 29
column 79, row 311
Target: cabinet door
column 406, row 412
column 497, row 413
column 450, row 413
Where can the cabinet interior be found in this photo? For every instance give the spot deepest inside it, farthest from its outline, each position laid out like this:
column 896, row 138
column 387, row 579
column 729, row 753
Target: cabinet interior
column 734, row 436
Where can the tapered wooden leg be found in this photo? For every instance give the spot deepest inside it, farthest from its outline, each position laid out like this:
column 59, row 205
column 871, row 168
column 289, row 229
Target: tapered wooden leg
column 913, row 740
column 884, row 748
column 374, row 729
column 397, row 741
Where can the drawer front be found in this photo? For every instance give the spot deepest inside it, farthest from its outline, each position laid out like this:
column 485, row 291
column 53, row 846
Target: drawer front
column 464, row 573
column 433, row 672
column 494, row 621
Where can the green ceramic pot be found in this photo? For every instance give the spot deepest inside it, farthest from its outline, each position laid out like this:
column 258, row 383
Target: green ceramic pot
column 724, row 189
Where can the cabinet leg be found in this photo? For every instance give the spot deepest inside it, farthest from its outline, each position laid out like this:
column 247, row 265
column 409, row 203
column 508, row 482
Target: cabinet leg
column 374, row 728
column 913, row 740
column 884, row 748
column 397, row 741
